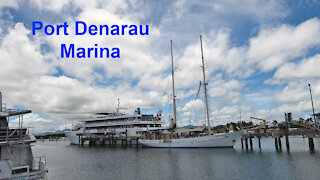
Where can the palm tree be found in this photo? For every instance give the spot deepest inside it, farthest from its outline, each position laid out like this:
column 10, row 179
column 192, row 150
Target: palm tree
column 275, row 122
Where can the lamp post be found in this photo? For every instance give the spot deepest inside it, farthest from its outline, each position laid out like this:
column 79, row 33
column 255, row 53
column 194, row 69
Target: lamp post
column 314, row 116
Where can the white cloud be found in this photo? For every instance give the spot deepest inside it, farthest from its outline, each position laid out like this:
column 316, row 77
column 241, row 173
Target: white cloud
column 275, row 46
column 306, row 68
column 142, row 77
column 192, row 106
column 37, row 124
column 21, row 60
column 10, row 4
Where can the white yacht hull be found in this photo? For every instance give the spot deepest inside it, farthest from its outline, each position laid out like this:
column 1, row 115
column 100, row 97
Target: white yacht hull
column 72, row 136
column 225, row 140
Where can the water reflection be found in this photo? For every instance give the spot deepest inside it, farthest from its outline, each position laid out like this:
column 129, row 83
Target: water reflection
column 73, row 162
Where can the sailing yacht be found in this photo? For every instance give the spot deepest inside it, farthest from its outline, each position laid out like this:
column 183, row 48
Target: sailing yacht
column 220, row 140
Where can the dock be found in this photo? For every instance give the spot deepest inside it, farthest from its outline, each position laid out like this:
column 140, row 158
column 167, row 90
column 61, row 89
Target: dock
column 246, row 139
column 110, row 141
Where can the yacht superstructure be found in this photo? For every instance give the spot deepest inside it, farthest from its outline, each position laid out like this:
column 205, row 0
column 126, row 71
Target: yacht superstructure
column 116, row 124
column 16, row 157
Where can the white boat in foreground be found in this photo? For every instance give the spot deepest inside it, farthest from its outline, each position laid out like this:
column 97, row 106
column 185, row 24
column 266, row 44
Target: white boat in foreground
column 219, row 140
column 16, row 157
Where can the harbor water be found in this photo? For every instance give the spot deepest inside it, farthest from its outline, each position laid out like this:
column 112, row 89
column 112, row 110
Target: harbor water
column 66, row 161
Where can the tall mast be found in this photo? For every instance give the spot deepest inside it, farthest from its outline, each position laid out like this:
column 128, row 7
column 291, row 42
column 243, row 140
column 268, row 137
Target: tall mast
column 0, row 102
column 174, row 123
column 205, row 86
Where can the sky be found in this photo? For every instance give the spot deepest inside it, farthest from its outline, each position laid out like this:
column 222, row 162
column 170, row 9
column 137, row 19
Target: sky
column 260, row 56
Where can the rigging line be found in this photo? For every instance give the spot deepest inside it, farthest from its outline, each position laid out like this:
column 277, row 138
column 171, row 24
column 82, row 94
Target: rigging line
column 198, row 91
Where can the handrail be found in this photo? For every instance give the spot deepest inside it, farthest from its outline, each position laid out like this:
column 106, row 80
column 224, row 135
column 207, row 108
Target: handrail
column 41, row 158
column 12, row 133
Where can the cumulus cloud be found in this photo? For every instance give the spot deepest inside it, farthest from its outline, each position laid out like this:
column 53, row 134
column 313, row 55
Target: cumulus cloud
column 33, row 75
column 20, row 56
column 35, row 123
column 306, row 68
column 10, row 4
column 275, row 46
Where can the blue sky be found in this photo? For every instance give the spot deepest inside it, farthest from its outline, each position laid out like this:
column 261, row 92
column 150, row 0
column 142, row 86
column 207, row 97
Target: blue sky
column 259, row 55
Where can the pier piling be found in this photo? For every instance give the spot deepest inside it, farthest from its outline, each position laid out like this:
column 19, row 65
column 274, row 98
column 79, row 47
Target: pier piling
column 250, row 140
column 287, row 142
column 259, row 141
column 311, row 144
column 242, row 143
column 276, row 143
column 280, row 145
column 246, row 141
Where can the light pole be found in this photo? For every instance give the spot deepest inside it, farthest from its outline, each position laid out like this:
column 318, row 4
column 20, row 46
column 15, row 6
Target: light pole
column 314, row 116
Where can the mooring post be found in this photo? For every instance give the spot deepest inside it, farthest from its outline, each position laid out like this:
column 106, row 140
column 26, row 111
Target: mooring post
column 246, row 141
column 242, row 143
column 280, row 145
column 251, row 145
column 276, row 143
column 287, row 142
column 259, row 142
column 311, row 144
column 82, row 142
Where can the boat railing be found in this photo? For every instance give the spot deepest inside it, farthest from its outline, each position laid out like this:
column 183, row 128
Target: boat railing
column 39, row 161
column 10, row 134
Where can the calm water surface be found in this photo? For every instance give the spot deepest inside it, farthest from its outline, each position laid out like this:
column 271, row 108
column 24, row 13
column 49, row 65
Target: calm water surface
column 66, row 161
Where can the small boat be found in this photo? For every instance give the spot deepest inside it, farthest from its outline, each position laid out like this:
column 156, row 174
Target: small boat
column 16, row 157
column 220, row 140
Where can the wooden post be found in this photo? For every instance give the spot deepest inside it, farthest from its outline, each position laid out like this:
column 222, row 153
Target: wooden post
column 287, row 142
column 259, row 137
column 112, row 140
column 276, row 143
column 311, row 144
column 242, row 143
column 280, row 145
column 82, row 141
column 251, row 145
column 246, row 141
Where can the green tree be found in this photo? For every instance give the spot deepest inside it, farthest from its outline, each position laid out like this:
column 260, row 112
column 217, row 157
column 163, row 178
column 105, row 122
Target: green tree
column 275, row 122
